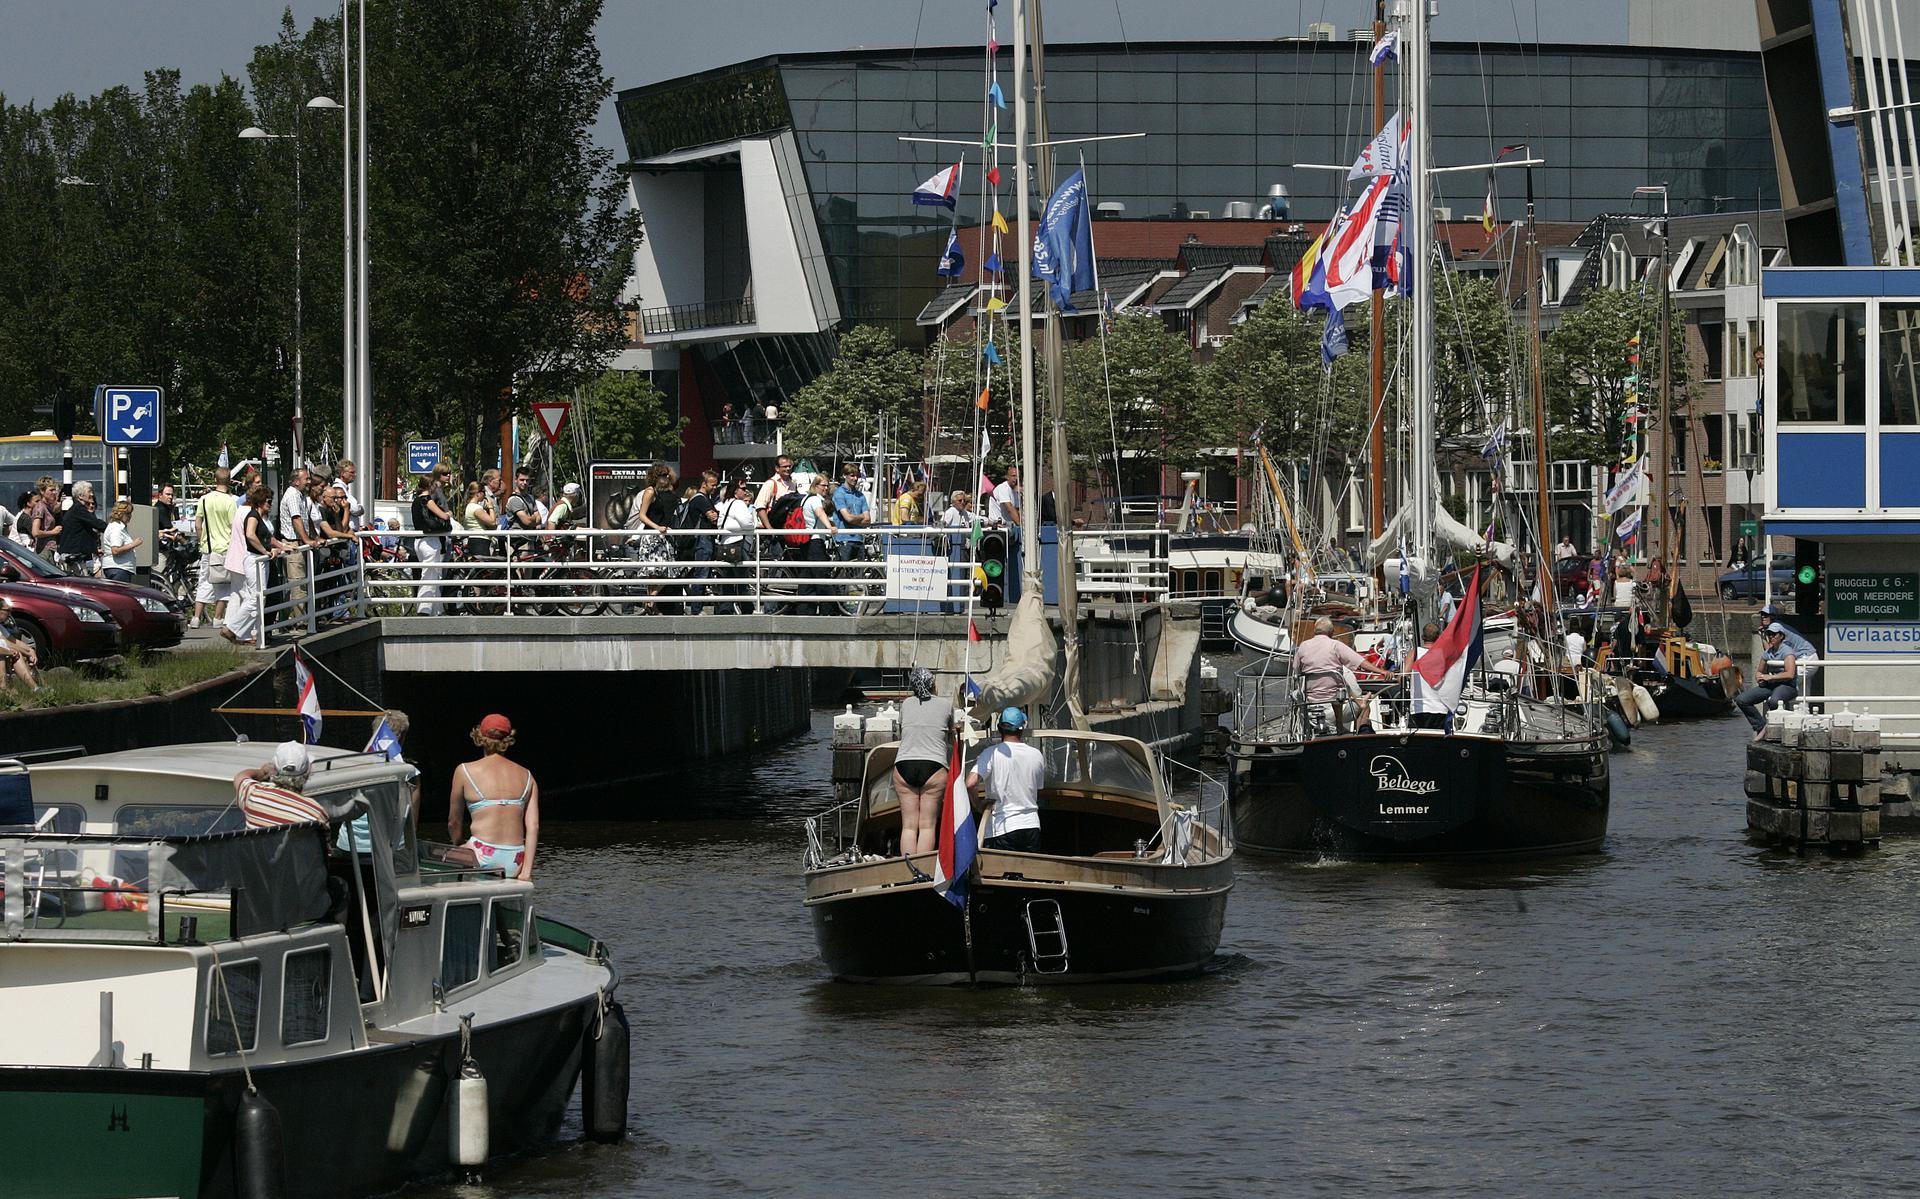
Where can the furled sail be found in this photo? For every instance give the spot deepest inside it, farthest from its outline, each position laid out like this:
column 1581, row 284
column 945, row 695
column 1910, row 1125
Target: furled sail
column 1027, row 674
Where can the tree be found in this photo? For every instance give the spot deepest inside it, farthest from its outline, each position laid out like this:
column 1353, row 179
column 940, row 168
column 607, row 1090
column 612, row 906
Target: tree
column 502, row 241
column 628, row 417
column 1137, row 391
column 1270, row 373
column 872, row 376
column 1589, row 364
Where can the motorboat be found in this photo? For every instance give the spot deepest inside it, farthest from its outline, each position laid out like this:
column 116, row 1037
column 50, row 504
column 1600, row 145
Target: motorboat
column 1128, row 884
column 199, row 1008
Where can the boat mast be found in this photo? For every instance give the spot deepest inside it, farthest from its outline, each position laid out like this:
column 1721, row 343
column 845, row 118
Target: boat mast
column 1377, row 424
column 1419, row 231
column 1543, row 537
column 1023, row 233
column 1056, row 410
column 1665, row 442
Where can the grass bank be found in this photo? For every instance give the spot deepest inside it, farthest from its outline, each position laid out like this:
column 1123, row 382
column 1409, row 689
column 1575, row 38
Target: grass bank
column 132, row 677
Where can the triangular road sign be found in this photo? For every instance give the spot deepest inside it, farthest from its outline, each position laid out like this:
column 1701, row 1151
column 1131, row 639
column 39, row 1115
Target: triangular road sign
column 552, row 416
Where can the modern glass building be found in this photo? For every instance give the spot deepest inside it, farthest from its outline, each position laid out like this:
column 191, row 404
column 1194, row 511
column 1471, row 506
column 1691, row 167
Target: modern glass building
column 1224, row 122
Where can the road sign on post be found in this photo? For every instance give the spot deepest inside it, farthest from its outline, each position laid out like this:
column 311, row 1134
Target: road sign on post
column 129, row 415
column 422, row 456
column 552, row 416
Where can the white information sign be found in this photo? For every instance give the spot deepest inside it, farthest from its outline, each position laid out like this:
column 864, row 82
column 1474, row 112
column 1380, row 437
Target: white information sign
column 917, row 577
column 1851, row 637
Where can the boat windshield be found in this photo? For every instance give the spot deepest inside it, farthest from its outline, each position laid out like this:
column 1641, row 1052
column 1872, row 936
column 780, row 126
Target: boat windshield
column 1107, row 765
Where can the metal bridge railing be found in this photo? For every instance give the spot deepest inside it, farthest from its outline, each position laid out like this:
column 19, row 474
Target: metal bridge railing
column 596, row 572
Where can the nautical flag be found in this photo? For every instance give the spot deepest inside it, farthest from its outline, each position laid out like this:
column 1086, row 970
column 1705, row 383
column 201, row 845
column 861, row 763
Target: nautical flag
column 1350, row 254
column 1387, row 47
column 1063, row 242
column 992, row 137
column 992, row 265
column 994, row 94
column 952, row 261
column 1628, row 527
column 1386, row 237
column 993, row 176
column 938, row 191
column 1303, row 273
column 1623, row 489
column 1486, row 214
column 973, row 630
column 995, row 303
column 1445, row 664
column 957, row 843
column 999, row 222
column 308, row 703
column 986, row 393
column 384, row 741
column 993, row 43
column 991, row 354
column 1382, row 155
column 1333, row 338
column 1406, row 580
column 223, row 463
column 1497, row 443
column 969, row 688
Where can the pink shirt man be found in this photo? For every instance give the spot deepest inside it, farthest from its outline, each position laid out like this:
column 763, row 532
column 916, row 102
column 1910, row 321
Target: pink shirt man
column 1319, row 660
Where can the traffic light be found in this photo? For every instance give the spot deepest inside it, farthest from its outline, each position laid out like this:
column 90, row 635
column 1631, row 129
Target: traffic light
column 994, row 562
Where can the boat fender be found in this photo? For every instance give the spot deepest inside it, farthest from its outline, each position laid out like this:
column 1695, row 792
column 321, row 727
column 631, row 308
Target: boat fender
column 260, row 1155
column 1618, row 730
column 604, row 1089
column 1643, row 700
column 468, row 1128
column 1623, row 694
column 416, row 1105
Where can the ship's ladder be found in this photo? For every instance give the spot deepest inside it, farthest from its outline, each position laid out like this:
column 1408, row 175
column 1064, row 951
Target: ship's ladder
column 1046, row 936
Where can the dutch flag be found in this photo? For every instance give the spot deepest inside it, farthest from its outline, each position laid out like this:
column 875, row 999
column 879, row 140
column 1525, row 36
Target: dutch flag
column 957, row 836
column 309, row 702
column 1445, row 664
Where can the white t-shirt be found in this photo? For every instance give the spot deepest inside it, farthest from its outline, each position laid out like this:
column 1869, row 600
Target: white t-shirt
column 1013, row 773
column 771, row 490
column 736, row 521
column 1425, row 698
column 954, row 518
column 116, row 540
column 356, row 511
column 815, row 507
column 1002, row 496
column 1576, row 648
column 1623, row 593
column 293, row 502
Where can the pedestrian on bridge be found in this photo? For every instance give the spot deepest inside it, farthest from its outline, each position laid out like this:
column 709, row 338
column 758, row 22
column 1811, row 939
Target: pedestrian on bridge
column 432, row 516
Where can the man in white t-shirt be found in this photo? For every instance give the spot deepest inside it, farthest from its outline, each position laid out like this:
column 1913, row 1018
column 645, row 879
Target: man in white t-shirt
column 1003, row 507
column 1010, row 774
column 344, row 474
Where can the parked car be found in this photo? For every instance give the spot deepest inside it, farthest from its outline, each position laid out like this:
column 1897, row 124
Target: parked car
column 1570, row 575
column 1750, row 581
column 62, row 627
column 147, row 618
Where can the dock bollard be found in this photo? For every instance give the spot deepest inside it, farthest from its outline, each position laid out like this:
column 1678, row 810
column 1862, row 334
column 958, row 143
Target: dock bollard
column 467, row 1129
column 604, row 1085
column 261, row 1158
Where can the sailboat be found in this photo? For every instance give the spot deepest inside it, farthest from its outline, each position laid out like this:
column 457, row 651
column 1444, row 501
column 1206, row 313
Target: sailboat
column 1511, row 772
column 1128, row 883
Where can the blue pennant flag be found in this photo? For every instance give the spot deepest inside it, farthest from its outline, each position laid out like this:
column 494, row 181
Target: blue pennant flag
column 971, row 688
column 952, row 261
column 993, row 266
column 991, row 354
column 1333, row 339
column 994, row 94
column 1063, row 244
column 384, row 742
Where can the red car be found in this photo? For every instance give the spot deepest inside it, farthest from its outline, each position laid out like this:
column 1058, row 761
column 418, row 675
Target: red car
column 62, row 627
column 147, row 618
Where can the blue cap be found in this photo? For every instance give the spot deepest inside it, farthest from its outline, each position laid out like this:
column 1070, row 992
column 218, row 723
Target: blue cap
column 1013, row 718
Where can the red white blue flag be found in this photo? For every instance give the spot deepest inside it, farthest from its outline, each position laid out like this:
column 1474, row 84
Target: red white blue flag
column 309, row 701
column 1445, row 664
column 939, row 190
column 957, row 836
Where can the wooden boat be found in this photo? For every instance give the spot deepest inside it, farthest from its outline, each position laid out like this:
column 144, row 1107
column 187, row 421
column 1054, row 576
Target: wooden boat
column 161, row 961
column 1128, row 884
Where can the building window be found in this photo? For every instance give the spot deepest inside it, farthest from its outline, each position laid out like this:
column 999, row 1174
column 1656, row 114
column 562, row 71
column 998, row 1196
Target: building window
column 1743, row 259
column 1713, row 455
column 233, row 1008
column 1899, row 363
column 1616, row 265
column 1822, row 364
column 1677, row 444
column 306, row 985
column 1713, row 342
column 1710, row 552
column 1739, row 357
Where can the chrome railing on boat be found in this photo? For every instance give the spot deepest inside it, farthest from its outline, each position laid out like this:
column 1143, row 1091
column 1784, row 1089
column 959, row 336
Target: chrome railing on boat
column 824, row 849
column 1198, row 832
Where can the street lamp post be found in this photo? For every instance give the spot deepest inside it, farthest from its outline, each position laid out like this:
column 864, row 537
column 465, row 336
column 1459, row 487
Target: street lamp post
column 255, row 133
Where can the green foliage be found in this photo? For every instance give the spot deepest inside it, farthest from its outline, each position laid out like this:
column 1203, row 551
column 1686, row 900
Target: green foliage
column 1587, row 365
column 628, row 417
column 1158, row 407
column 138, row 676
column 1270, row 375
column 872, row 375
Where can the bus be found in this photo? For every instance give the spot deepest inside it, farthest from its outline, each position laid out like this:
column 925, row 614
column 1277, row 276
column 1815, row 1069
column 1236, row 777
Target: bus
column 24, row 459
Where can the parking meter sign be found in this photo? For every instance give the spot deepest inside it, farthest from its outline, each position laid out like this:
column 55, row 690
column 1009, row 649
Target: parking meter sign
column 422, row 456
column 129, row 415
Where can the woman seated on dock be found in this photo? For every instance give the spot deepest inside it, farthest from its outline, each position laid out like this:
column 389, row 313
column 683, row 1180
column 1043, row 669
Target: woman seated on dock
column 499, row 800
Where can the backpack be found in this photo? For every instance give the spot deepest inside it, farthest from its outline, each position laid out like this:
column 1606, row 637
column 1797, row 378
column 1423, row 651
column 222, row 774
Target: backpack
column 787, row 513
column 424, row 519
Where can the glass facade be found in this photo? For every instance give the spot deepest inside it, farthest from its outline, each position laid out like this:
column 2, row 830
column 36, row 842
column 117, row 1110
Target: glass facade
column 1223, row 123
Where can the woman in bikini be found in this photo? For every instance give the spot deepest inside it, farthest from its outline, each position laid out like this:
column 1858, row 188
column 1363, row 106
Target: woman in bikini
column 499, row 800
column 920, row 764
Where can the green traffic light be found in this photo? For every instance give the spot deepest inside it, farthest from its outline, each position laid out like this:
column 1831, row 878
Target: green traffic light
column 993, row 569
column 1808, row 574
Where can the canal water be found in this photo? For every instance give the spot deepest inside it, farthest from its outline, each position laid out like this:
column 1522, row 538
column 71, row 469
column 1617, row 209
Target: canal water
column 1681, row 1014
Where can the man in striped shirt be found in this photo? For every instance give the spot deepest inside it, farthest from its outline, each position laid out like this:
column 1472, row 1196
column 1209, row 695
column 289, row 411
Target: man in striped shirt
column 270, row 794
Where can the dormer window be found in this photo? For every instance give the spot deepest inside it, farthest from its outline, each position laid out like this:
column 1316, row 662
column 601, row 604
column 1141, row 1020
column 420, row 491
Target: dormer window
column 1617, row 264
column 1743, row 258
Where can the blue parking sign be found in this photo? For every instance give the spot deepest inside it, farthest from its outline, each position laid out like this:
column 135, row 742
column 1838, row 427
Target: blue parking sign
column 129, row 416
column 422, row 456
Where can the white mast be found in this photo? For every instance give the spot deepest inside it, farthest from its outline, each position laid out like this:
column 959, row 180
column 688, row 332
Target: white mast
column 1413, row 17
column 1022, row 184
